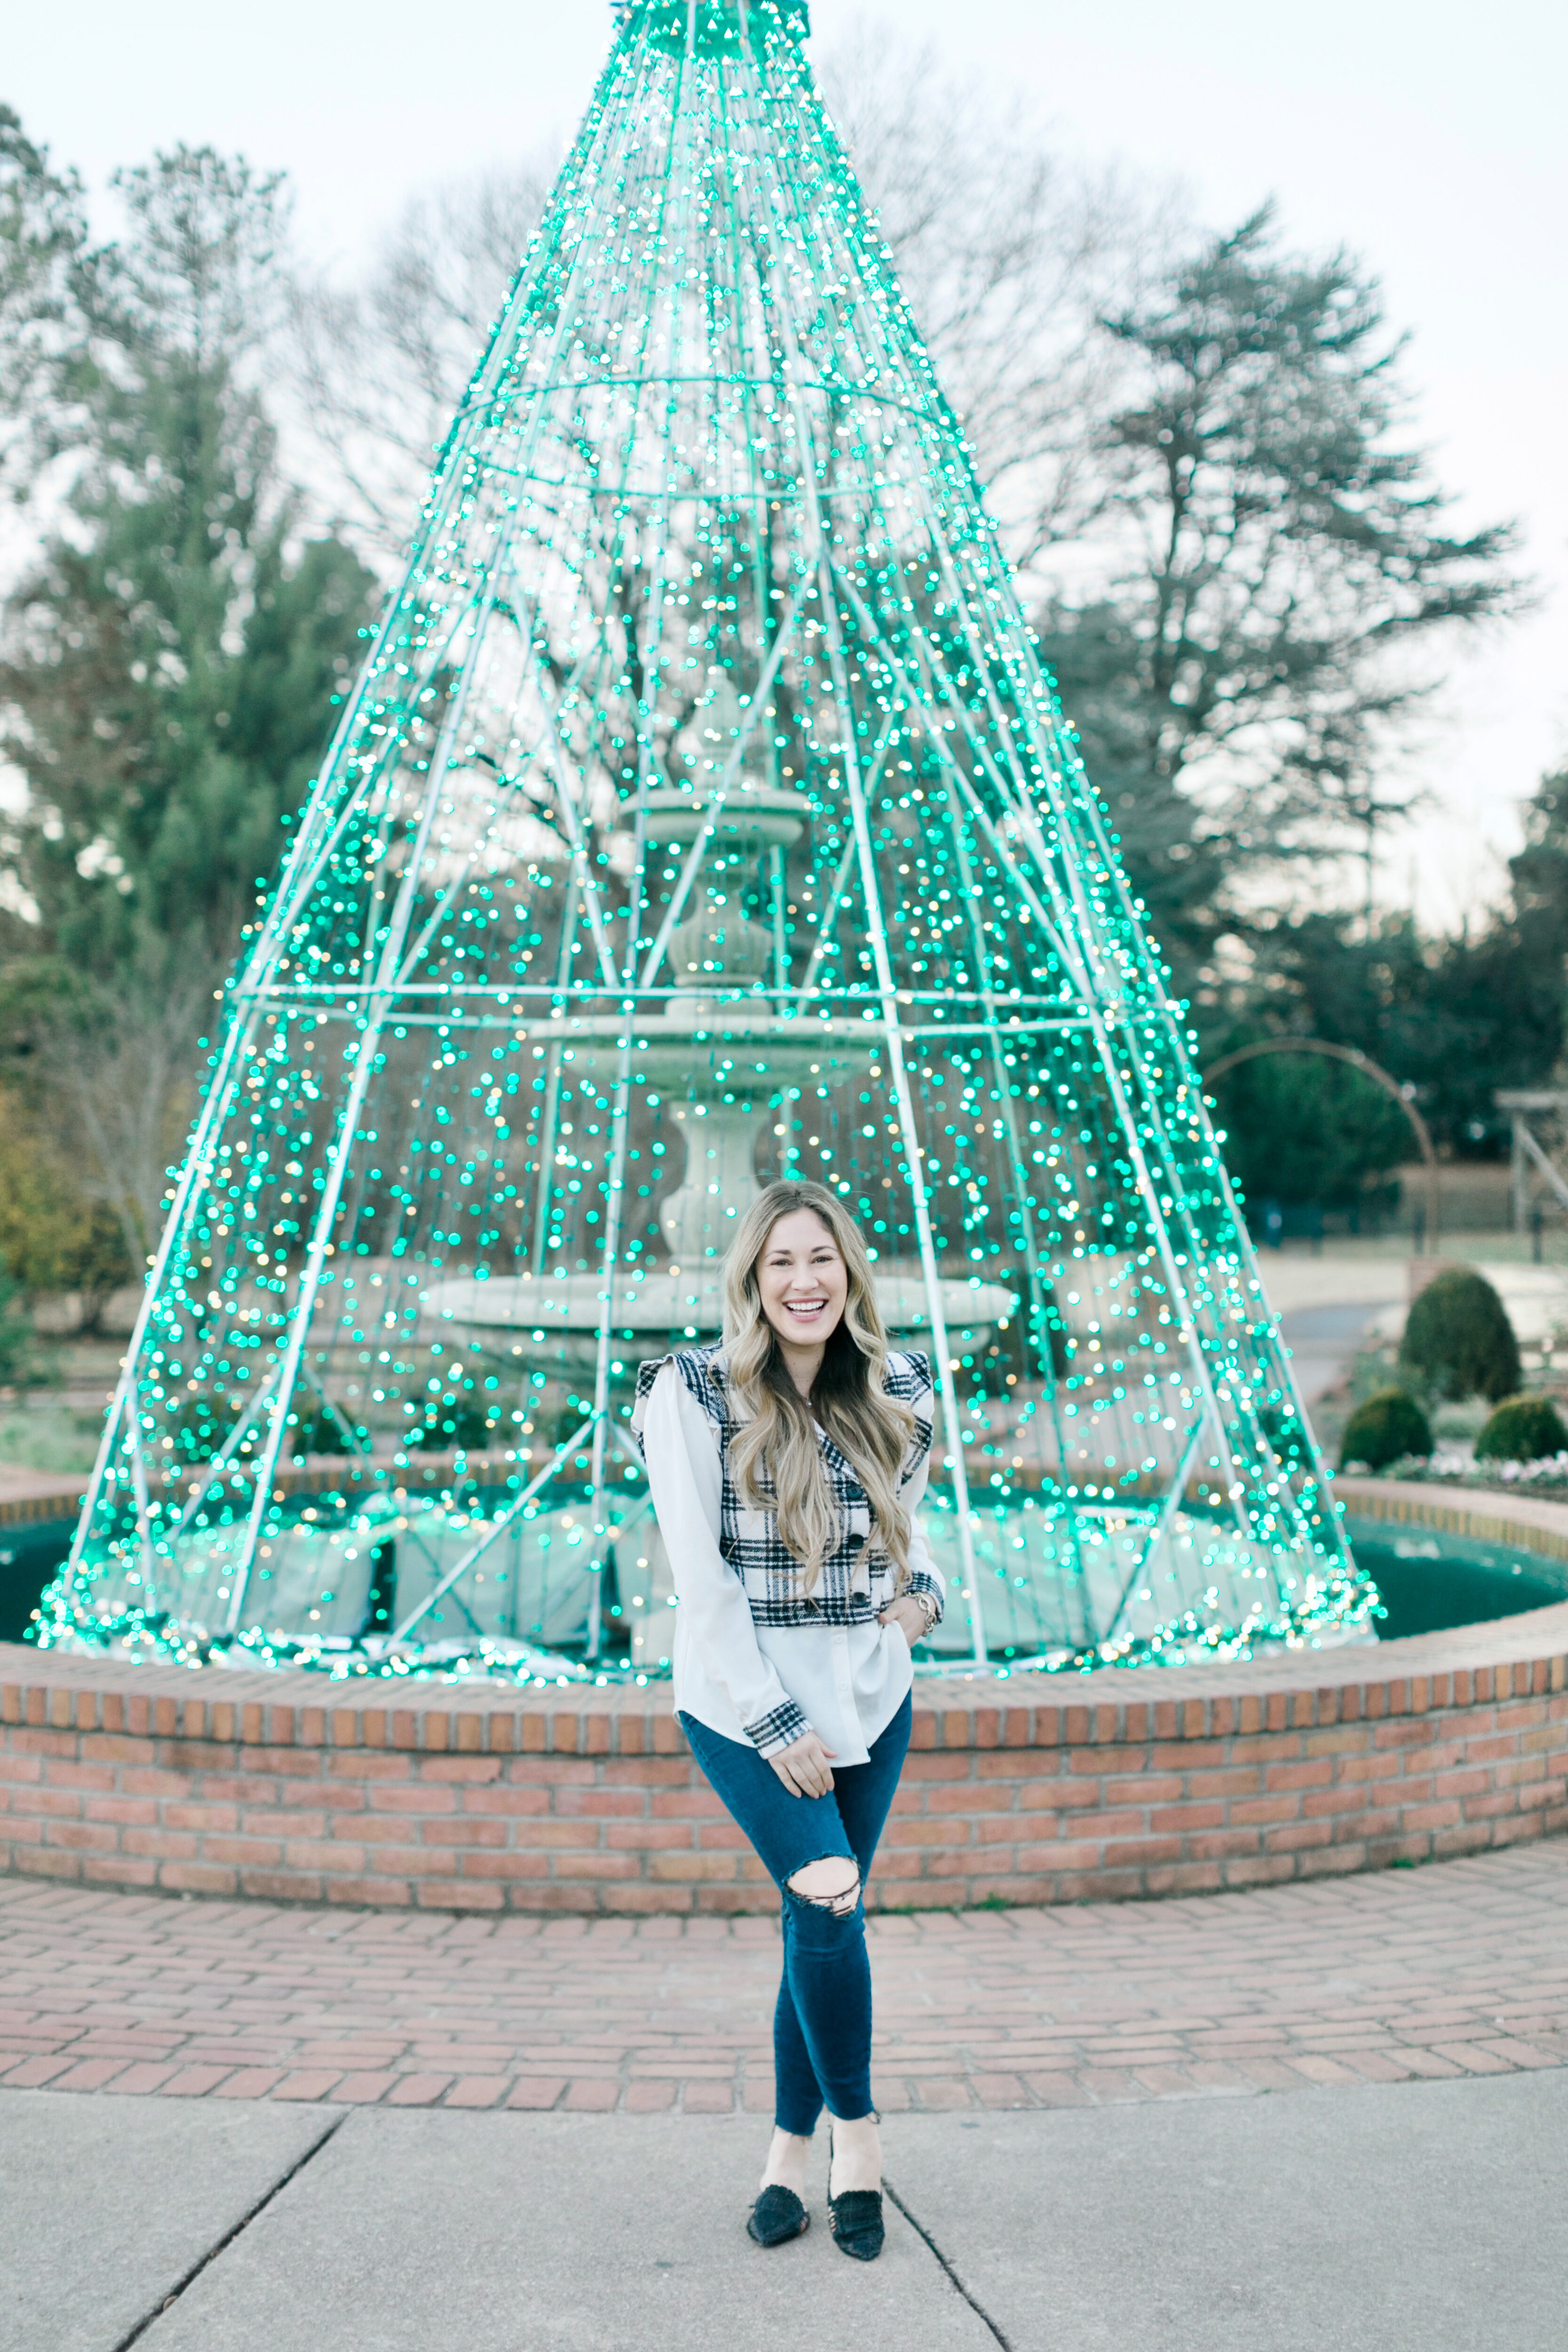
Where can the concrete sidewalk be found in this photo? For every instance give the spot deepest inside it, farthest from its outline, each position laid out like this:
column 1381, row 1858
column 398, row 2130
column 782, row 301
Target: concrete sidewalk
column 1413, row 2218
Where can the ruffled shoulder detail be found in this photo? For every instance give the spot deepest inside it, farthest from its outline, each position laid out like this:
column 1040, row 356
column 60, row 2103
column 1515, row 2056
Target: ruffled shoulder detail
column 702, row 1369
column 909, row 1377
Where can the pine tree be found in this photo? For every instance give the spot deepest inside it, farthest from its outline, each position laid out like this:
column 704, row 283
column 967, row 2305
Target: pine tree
column 1288, row 565
column 170, row 671
column 1457, row 1018
column 42, row 232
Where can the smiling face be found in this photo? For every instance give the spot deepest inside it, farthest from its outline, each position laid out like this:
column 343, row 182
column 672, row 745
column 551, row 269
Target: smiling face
column 802, row 1280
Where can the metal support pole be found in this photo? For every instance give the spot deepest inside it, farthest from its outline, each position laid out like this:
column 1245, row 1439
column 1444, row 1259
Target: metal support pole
column 379, row 999
column 776, row 908
column 610, row 1264
column 883, row 966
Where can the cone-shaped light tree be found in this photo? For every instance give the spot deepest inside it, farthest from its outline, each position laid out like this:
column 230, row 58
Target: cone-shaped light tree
column 701, row 813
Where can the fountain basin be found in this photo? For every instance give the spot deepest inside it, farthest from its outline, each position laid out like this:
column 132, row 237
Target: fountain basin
column 671, row 1306
column 340, row 1572
column 563, row 1797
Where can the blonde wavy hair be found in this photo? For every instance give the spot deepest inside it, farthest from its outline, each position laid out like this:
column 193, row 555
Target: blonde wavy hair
column 774, row 1454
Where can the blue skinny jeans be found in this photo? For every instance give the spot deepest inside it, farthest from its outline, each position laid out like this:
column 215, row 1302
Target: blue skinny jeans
column 822, row 2020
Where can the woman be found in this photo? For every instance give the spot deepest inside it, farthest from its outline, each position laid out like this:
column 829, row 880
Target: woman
column 787, row 1466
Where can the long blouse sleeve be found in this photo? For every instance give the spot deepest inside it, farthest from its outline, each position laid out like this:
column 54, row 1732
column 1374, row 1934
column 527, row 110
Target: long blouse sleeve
column 686, row 1480
column 923, row 1576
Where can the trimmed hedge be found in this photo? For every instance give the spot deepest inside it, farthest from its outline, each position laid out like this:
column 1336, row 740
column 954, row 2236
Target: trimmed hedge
column 1523, row 1429
column 1458, row 1341
column 1384, row 1429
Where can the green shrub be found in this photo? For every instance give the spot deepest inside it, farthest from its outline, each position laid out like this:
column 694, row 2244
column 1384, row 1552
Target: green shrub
column 315, row 1431
column 477, row 1427
column 203, row 1423
column 466, row 1424
column 1458, row 1341
column 1523, row 1429
column 1384, row 1429
column 569, row 1421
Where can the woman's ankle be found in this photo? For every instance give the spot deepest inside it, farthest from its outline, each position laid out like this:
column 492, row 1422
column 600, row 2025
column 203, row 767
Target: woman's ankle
column 788, row 2153
column 856, row 2155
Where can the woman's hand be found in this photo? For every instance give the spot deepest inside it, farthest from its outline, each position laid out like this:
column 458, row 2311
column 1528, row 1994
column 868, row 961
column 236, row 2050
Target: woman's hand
column 804, row 1765
column 908, row 1615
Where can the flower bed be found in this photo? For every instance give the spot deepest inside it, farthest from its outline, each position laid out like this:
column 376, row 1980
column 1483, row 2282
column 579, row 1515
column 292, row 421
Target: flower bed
column 1548, row 1477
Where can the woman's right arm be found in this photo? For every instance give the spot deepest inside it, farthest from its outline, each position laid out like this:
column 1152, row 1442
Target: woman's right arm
column 686, row 1479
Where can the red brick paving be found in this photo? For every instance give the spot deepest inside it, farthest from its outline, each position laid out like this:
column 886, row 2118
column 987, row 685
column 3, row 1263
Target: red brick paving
column 1457, row 1969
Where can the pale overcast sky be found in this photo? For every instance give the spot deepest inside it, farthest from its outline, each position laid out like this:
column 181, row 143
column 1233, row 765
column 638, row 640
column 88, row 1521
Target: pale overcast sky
column 1428, row 136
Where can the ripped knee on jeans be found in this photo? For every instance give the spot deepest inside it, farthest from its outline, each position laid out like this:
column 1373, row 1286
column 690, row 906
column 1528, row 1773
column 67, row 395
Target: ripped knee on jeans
column 831, row 1884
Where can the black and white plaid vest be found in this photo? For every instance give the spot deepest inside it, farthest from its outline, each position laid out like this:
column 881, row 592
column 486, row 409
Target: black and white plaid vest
column 854, row 1584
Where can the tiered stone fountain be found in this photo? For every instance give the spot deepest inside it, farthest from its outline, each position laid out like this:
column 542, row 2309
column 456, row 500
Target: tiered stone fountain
column 720, row 1062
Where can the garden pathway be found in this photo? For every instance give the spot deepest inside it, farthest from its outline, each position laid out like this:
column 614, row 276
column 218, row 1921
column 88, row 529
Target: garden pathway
column 1459, row 1969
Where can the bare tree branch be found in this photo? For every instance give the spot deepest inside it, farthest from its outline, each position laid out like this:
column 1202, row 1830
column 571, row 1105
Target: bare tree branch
column 378, row 370
column 1010, row 255
column 113, row 1072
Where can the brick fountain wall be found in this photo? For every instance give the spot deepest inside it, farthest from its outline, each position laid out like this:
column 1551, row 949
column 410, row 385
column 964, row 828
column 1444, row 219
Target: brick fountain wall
column 1033, row 1790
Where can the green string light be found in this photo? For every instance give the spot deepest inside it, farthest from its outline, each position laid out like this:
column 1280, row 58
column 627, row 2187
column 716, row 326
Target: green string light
column 701, row 813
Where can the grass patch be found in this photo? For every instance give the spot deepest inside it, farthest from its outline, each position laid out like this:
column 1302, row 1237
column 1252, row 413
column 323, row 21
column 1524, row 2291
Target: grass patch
column 49, row 1438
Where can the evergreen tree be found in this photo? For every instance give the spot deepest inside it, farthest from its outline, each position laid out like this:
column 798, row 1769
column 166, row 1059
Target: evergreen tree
column 170, row 670
column 1538, row 996
column 20, row 1363
column 1285, row 553
column 41, row 235
column 1456, row 1019
column 175, row 654
column 1304, row 1129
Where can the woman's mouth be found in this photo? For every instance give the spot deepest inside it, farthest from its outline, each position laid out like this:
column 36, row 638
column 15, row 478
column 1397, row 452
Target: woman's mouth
column 808, row 1308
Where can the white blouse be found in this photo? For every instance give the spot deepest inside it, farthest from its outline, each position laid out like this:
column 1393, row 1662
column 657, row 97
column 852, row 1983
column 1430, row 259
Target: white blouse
column 849, row 1680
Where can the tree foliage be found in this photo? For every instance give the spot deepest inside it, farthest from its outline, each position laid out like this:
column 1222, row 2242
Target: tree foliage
column 19, row 1359
column 168, row 673
column 1457, row 1018
column 1305, row 1128
column 42, row 230
column 172, row 660
column 53, row 1236
column 1284, row 560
